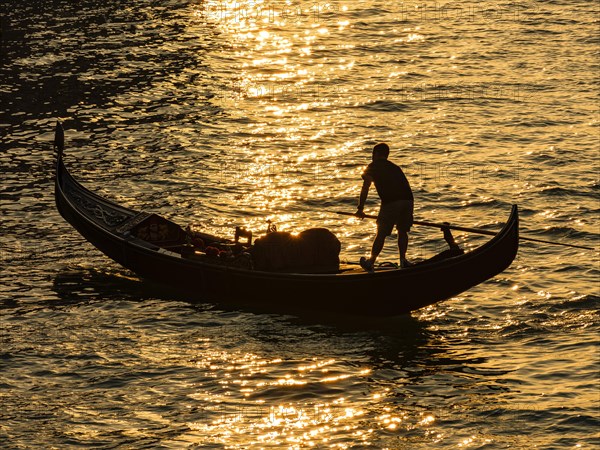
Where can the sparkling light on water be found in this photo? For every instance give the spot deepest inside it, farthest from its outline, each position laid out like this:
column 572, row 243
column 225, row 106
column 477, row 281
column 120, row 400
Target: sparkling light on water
column 225, row 113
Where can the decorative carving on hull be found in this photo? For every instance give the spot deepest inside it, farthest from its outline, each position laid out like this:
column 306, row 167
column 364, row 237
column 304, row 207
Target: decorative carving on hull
column 102, row 213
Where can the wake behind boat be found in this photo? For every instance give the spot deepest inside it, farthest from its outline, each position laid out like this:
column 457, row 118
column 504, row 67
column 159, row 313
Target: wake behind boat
column 159, row 250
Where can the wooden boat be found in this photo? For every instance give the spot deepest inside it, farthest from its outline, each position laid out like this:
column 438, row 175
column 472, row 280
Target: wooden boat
column 159, row 258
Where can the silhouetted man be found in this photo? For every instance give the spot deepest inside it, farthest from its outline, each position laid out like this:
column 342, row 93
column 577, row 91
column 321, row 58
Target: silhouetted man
column 396, row 204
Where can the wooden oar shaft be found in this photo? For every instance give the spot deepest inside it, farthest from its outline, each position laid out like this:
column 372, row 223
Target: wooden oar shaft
column 471, row 230
column 431, row 224
column 524, row 238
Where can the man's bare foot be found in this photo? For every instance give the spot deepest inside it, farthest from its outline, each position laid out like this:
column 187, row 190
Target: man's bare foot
column 366, row 264
column 405, row 263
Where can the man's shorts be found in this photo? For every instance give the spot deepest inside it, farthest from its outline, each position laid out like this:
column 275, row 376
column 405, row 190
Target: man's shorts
column 398, row 213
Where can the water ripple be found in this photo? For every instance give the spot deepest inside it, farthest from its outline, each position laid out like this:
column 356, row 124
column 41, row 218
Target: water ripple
column 210, row 119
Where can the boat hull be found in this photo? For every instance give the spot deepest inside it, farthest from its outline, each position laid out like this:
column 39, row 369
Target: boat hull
column 383, row 293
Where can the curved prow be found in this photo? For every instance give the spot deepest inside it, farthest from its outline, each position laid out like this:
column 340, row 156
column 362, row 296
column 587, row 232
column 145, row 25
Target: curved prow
column 59, row 140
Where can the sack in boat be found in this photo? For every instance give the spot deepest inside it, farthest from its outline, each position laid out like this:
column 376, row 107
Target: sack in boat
column 315, row 248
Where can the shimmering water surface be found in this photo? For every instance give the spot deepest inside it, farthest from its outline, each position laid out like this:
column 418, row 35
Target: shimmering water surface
column 223, row 114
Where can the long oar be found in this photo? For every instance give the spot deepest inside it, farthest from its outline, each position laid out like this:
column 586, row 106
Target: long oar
column 470, row 230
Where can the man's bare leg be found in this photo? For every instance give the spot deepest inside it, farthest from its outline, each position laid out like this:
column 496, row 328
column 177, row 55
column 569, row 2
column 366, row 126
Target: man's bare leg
column 377, row 247
column 402, row 247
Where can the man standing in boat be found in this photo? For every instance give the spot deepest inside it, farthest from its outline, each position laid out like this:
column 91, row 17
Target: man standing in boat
column 396, row 204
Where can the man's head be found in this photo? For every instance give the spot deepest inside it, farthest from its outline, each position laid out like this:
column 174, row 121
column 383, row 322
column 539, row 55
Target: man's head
column 381, row 151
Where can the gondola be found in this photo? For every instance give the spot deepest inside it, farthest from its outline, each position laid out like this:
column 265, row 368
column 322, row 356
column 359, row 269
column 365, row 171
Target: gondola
column 160, row 258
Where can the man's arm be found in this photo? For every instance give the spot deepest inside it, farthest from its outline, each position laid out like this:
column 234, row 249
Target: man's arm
column 363, row 195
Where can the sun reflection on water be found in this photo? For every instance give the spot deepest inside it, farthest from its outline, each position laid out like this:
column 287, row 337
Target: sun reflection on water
column 240, row 413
